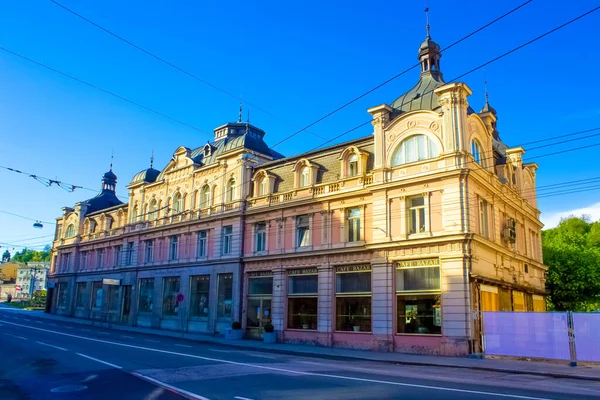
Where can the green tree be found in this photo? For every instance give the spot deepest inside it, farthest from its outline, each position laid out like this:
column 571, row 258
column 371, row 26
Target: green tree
column 6, row 256
column 573, row 258
column 27, row 255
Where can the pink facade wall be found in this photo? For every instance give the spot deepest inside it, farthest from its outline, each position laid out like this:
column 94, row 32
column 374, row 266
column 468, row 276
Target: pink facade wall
column 317, row 228
column 288, row 233
column 272, row 236
column 368, row 222
column 248, row 239
column 336, row 223
column 395, row 210
column 436, row 212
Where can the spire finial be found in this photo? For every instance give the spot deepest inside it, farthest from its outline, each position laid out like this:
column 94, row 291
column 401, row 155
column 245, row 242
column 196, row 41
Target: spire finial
column 241, row 110
column 485, row 86
column 112, row 157
column 427, row 18
column 152, row 159
column 248, row 119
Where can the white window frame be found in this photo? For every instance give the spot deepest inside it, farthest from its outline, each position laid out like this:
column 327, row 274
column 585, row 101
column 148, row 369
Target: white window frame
column 149, row 251
column 354, row 225
column 412, row 212
column 202, row 244
column 352, row 165
column 412, row 150
column 484, row 218
column 476, row 152
column 304, row 240
column 173, row 248
column 260, row 237
column 177, row 203
column 227, row 240
column 304, row 176
column 230, row 190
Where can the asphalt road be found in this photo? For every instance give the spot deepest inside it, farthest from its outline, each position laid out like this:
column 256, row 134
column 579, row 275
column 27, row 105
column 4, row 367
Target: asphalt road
column 45, row 359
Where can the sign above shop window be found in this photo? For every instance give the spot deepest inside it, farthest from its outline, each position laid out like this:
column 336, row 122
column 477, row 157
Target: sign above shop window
column 256, row 274
column 106, row 281
column 354, row 268
column 303, row 271
column 428, row 262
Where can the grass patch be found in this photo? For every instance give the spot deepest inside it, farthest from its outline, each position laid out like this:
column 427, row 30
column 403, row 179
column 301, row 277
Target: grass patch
column 26, row 305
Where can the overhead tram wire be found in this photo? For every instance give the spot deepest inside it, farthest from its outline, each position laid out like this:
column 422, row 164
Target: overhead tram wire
column 24, row 217
column 113, row 94
column 343, row 106
column 176, row 67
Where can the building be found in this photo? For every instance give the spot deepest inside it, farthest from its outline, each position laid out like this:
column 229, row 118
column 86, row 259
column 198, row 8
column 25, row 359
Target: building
column 31, row 277
column 393, row 242
column 7, row 287
column 8, row 271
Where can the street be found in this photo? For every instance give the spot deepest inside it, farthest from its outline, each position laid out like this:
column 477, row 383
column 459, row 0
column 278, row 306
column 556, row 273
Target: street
column 44, row 359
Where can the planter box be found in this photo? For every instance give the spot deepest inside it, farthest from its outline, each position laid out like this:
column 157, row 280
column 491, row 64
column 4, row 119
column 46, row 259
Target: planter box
column 270, row 337
column 234, row 334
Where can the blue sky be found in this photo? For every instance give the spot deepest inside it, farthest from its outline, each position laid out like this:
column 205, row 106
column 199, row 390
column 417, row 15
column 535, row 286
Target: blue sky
column 296, row 60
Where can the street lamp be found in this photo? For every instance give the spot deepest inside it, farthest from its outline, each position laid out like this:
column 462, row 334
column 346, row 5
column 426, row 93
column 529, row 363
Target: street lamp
column 38, row 225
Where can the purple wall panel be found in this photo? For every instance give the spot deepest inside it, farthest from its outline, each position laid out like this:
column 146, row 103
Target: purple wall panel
column 587, row 336
column 527, row 334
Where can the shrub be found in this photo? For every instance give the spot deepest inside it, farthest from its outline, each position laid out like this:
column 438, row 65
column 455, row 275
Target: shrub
column 236, row 326
column 269, row 327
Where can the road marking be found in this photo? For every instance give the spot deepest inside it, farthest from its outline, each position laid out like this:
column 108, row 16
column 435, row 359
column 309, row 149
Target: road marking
column 52, row 324
column 241, row 398
column 20, row 337
column 151, row 341
column 38, row 322
column 103, row 333
column 25, row 319
column 127, row 337
column 100, row 361
column 183, row 345
column 50, row 345
column 220, row 351
column 175, row 389
column 68, row 327
column 289, row 371
column 257, row 355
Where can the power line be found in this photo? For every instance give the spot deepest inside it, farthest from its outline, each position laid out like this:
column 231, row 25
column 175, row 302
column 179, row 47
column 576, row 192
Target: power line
column 30, row 239
column 30, row 219
column 102, row 90
column 174, row 66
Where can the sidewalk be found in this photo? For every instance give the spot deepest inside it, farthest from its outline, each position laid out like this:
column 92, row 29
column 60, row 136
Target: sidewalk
column 554, row 370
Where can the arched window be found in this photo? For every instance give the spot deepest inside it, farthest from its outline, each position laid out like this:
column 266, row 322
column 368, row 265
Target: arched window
column 153, row 210
column 230, row 194
column 352, row 165
column 177, row 203
column 70, row 232
column 134, row 213
column 205, row 197
column 262, row 186
column 476, row 152
column 415, row 148
column 304, row 177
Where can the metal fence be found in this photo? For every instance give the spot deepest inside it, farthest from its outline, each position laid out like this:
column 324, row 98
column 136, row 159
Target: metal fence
column 552, row 335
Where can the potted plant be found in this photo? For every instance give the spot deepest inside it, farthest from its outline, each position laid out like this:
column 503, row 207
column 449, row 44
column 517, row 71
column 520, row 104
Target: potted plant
column 355, row 325
column 235, row 333
column 305, row 321
column 270, row 336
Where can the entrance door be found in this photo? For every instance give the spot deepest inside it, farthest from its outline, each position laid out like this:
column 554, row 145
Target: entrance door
column 257, row 316
column 114, row 293
column 126, row 311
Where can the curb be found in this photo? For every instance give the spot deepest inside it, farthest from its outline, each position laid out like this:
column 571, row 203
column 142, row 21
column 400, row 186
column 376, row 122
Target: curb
column 337, row 357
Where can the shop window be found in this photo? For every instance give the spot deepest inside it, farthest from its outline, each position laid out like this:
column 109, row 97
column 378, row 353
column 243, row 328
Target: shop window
column 417, row 215
column 149, row 249
column 202, row 248
column 476, row 152
column 97, row 295
column 62, row 294
column 224, row 295
column 146, row 296
column 353, row 299
column 539, row 304
column 353, row 216
column 199, row 300
column 490, row 300
column 484, row 223
column 260, row 286
column 418, row 291
column 303, row 300
column 227, row 239
column 80, row 293
column 260, row 236
column 518, row 301
column 170, row 292
column 302, row 231
column 415, row 148
column 173, row 248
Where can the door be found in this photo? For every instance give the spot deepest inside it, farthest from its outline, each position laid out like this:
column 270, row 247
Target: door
column 258, row 314
column 114, row 293
column 126, row 310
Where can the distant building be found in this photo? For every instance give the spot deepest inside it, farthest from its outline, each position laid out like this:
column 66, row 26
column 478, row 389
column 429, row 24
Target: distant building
column 395, row 241
column 8, row 271
column 31, row 277
column 7, row 287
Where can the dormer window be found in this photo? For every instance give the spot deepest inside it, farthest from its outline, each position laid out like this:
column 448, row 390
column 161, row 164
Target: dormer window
column 353, row 165
column 207, row 150
column 352, row 162
column 304, row 172
column 262, row 187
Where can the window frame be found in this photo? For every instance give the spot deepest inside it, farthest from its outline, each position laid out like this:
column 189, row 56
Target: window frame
column 100, row 258
column 177, row 203
column 174, row 248
column 142, row 291
column 405, row 151
column 476, row 152
column 352, row 169
column 484, row 218
column 341, row 296
column 194, row 292
column 171, row 295
column 295, row 296
column 227, row 240
column 354, row 225
column 225, row 299
column 304, row 177
column 260, row 237
column 204, row 197
column 70, row 231
column 230, row 190
column 149, row 251
column 414, row 213
column 202, row 244
column 305, row 240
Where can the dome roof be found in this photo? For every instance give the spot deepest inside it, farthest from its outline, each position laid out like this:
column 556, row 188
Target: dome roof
column 109, row 176
column 429, row 44
column 148, row 175
column 488, row 108
column 421, row 96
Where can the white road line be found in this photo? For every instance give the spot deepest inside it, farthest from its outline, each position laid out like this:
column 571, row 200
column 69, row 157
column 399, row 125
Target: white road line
column 103, row 333
column 175, row 389
column 38, row 322
column 183, row 345
column 20, row 337
column 289, row 371
column 127, row 337
column 68, row 327
column 25, row 319
column 52, row 324
column 151, row 341
column 50, row 345
column 257, row 355
column 241, row 398
column 220, row 351
column 100, row 361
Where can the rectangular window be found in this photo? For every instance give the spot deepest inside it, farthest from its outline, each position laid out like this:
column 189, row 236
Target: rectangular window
column 97, row 295
column 484, row 222
column 224, row 295
column 490, row 300
column 200, row 288
column 62, row 294
column 227, row 239
column 170, row 292
column 149, row 248
column 129, row 255
column 302, row 231
column 260, row 286
column 81, row 287
column 418, row 289
column 539, row 304
column 353, row 299
column 353, row 216
column 417, row 215
column 99, row 258
column 201, row 251
column 118, row 250
column 146, row 296
column 65, row 261
column 353, row 165
column 173, row 248
column 260, row 236
column 518, row 301
column 83, row 260
column 303, row 300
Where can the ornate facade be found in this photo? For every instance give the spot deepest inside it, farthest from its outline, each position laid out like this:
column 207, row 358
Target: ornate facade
column 393, row 242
